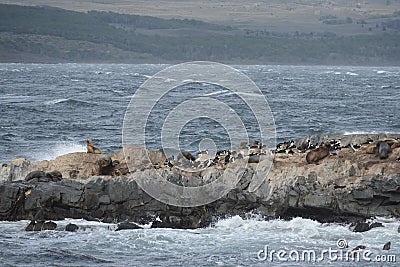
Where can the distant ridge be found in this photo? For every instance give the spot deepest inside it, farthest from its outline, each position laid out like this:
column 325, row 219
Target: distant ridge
column 47, row 34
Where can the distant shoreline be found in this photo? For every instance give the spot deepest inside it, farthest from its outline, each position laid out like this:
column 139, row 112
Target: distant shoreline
column 178, row 62
column 43, row 35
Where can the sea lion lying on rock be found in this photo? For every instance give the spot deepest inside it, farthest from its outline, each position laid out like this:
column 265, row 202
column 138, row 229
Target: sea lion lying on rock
column 383, row 150
column 186, row 155
column 374, row 147
column 106, row 166
column 314, row 156
column 91, row 148
column 40, row 176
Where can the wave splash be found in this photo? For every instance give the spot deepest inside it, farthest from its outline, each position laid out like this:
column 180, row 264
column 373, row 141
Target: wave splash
column 58, row 149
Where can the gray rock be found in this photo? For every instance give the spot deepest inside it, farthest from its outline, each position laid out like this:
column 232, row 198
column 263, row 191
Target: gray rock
column 254, row 159
column 361, row 227
column 375, row 224
column 41, row 226
column 71, row 227
column 387, row 246
column 329, row 192
column 127, row 226
column 16, row 170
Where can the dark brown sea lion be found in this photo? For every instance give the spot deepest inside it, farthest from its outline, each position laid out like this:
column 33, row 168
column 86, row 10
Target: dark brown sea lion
column 54, row 176
column 35, row 174
column 187, row 155
column 91, row 148
column 314, row 156
column 383, row 150
column 105, row 166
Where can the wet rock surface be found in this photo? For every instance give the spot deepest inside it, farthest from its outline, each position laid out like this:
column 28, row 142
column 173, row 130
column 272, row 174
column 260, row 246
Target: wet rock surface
column 349, row 185
column 40, row 226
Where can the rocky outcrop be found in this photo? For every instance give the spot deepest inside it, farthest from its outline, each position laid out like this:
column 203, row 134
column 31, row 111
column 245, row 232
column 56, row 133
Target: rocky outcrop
column 16, row 170
column 40, row 226
column 348, row 185
column 71, row 227
column 127, row 226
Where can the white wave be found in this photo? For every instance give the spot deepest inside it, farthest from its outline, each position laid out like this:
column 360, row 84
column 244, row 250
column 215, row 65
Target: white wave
column 354, row 132
column 351, row 73
column 56, row 101
column 169, row 80
column 189, row 81
column 337, row 72
column 382, row 72
column 216, row 93
column 59, row 149
column 257, row 223
column 365, row 132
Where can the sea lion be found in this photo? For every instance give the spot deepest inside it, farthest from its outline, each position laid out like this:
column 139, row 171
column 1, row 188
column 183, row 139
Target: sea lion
column 91, row 148
column 187, row 155
column 106, row 166
column 314, row 156
column 54, row 176
column 383, row 150
column 35, row 174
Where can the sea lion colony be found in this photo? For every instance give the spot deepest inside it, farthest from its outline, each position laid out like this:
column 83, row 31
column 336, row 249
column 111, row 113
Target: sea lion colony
column 254, row 153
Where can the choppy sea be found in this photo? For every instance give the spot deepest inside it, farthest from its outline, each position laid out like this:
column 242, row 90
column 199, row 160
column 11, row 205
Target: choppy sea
column 50, row 110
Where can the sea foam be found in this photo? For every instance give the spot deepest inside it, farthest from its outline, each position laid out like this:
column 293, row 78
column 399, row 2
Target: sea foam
column 59, row 149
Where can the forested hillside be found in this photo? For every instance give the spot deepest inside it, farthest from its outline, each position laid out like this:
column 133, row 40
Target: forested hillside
column 46, row 34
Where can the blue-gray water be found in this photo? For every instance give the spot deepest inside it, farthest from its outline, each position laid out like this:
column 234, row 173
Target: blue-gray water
column 231, row 242
column 49, row 110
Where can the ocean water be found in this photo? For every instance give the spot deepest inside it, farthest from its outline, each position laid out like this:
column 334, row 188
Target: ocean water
column 50, row 110
column 230, row 242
